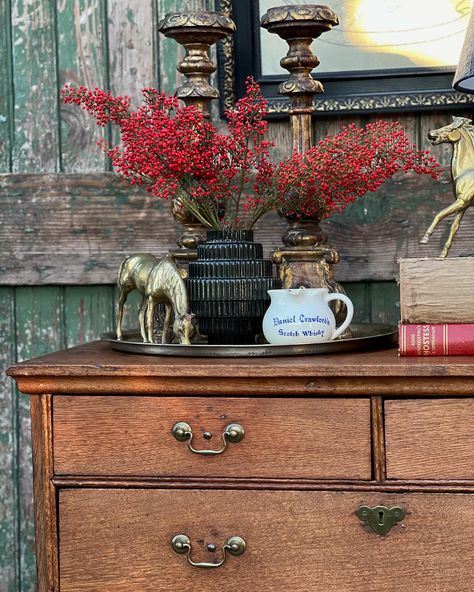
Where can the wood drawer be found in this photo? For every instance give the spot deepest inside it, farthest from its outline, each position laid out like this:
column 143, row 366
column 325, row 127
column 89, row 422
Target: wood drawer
column 430, row 439
column 284, row 437
column 119, row 540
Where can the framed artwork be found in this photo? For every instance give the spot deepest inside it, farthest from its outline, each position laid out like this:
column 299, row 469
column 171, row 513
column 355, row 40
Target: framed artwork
column 385, row 55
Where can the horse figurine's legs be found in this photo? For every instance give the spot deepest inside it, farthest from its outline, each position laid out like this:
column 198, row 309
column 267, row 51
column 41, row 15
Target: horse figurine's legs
column 142, row 317
column 452, row 232
column 124, row 292
column 150, row 317
column 167, row 324
column 458, row 206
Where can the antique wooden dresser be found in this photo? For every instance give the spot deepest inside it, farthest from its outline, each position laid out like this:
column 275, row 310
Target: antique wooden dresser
column 343, row 473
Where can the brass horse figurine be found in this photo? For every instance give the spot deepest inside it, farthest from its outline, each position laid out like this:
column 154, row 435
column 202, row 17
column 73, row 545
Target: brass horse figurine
column 159, row 282
column 460, row 133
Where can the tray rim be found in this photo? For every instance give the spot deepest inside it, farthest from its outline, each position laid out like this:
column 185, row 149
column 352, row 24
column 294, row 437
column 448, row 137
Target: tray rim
column 384, row 339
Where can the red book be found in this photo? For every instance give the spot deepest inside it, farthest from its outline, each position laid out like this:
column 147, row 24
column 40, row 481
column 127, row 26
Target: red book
column 454, row 339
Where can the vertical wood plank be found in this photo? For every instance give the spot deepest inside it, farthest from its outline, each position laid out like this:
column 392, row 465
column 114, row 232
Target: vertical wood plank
column 131, row 47
column 88, row 312
column 9, row 569
column 39, row 331
column 385, row 302
column 279, row 132
column 44, row 493
column 36, row 139
column 82, row 60
column 6, row 89
column 359, row 293
column 169, row 52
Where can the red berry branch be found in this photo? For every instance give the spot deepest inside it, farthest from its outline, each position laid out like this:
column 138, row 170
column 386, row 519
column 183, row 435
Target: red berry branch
column 175, row 152
column 227, row 179
column 341, row 168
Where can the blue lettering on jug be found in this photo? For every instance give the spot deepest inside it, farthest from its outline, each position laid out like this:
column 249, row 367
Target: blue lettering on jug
column 312, row 333
column 316, row 319
column 302, row 319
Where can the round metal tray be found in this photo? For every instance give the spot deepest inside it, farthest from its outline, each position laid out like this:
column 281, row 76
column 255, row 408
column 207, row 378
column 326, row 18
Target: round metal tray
column 364, row 337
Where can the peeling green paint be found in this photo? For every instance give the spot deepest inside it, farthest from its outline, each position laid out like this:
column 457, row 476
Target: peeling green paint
column 131, row 17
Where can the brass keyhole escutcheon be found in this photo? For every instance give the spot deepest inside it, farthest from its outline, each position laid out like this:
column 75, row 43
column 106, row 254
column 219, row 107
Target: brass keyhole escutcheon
column 380, row 518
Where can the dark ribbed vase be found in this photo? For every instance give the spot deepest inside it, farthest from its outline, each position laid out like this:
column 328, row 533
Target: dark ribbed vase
column 227, row 287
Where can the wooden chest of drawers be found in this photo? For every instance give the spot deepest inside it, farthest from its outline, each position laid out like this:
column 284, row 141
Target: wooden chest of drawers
column 350, row 473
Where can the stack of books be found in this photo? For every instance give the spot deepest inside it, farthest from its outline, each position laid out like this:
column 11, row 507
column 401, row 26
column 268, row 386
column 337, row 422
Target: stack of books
column 437, row 307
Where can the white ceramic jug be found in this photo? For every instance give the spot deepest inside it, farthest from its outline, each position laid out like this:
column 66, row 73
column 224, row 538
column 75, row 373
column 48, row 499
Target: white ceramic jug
column 302, row 315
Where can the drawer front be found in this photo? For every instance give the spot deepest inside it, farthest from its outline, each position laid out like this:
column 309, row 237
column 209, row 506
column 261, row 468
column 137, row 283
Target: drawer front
column 430, row 439
column 120, row 540
column 307, row 438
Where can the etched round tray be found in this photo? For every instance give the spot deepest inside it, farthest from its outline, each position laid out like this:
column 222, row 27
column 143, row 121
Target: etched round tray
column 364, row 337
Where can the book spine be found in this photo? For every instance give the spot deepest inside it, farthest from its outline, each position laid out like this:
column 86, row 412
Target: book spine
column 448, row 339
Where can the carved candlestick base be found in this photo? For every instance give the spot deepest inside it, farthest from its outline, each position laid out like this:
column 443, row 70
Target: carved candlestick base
column 196, row 32
column 307, row 261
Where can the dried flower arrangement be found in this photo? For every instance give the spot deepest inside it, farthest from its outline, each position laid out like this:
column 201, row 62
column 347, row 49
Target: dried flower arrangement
column 175, row 152
column 341, row 168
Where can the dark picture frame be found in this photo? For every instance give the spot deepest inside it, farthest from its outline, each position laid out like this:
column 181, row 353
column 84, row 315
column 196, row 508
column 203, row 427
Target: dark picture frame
column 394, row 90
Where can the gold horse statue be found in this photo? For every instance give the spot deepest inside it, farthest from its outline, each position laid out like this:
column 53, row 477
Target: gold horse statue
column 159, row 282
column 460, row 133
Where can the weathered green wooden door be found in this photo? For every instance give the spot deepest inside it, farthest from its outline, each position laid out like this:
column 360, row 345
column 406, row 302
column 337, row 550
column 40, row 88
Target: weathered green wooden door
column 65, row 221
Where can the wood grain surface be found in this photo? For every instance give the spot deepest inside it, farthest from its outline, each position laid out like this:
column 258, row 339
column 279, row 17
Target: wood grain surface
column 36, row 139
column 75, row 229
column 9, row 564
column 430, row 439
column 46, row 540
column 97, row 369
column 119, row 540
column 6, row 96
column 378, row 438
column 82, row 60
column 112, row 436
column 233, row 483
column 100, row 360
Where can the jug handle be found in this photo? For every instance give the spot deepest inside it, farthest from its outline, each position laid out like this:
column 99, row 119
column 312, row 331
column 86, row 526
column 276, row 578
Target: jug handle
column 350, row 311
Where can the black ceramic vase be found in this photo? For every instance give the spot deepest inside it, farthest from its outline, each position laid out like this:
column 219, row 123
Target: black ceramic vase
column 227, row 287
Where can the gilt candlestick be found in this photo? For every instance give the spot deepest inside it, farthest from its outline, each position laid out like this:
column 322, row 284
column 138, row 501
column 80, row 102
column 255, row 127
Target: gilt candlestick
column 299, row 26
column 196, row 32
column 305, row 260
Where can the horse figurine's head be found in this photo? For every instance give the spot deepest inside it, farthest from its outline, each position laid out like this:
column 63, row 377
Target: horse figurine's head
column 449, row 133
column 184, row 328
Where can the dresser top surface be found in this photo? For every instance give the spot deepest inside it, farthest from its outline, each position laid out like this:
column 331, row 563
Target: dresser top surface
column 100, row 360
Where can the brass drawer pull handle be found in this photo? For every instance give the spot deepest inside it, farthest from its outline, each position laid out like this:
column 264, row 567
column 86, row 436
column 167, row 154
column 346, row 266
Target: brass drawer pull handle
column 380, row 518
column 182, row 431
column 235, row 546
